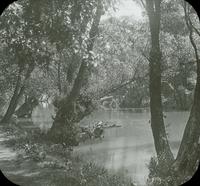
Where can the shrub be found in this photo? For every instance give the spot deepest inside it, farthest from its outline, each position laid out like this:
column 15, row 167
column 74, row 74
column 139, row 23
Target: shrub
column 159, row 174
column 90, row 174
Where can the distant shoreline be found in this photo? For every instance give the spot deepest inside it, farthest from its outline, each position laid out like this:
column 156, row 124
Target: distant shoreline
column 142, row 109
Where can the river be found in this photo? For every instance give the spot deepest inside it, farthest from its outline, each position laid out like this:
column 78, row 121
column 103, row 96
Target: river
column 129, row 147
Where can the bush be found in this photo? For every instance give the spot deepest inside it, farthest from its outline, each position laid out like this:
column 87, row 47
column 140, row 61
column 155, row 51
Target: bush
column 160, row 175
column 90, row 174
column 19, row 138
column 61, row 167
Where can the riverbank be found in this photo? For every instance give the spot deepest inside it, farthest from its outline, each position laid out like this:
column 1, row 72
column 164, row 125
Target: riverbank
column 26, row 159
column 126, row 149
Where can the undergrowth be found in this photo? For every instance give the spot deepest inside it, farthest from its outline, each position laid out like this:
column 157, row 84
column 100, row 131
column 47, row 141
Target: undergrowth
column 61, row 165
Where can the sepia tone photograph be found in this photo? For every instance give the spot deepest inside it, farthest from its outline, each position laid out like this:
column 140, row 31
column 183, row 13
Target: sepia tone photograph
column 99, row 92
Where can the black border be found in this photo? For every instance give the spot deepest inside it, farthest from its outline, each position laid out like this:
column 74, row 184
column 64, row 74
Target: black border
column 194, row 181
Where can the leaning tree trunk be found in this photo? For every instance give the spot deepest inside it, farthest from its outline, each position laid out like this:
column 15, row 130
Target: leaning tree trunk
column 162, row 147
column 26, row 109
column 18, row 92
column 186, row 163
column 13, row 102
column 188, row 155
column 62, row 130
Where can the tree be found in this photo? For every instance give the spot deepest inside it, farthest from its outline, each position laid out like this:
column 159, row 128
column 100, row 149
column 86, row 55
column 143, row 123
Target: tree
column 163, row 150
column 118, row 50
column 186, row 164
column 24, row 47
column 178, row 68
column 63, row 130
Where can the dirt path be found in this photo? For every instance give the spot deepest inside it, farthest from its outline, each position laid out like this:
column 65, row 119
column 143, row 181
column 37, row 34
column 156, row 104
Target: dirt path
column 25, row 171
column 20, row 173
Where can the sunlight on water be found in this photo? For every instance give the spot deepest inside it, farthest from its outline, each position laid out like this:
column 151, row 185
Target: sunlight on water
column 42, row 116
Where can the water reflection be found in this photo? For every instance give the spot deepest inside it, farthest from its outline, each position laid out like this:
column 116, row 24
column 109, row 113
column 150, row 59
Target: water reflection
column 129, row 147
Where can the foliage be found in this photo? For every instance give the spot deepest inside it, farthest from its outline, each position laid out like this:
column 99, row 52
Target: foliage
column 178, row 59
column 158, row 176
column 89, row 174
column 65, row 167
column 117, row 59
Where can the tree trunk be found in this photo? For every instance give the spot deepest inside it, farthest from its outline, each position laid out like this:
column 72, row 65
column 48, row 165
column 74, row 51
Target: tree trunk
column 75, row 58
column 186, row 163
column 26, row 109
column 18, row 92
column 62, row 129
column 14, row 100
column 162, row 147
column 187, row 159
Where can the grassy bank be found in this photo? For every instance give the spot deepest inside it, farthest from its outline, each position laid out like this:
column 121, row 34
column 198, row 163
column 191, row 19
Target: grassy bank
column 39, row 162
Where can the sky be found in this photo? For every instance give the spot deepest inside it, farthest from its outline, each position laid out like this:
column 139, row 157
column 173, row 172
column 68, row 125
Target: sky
column 126, row 8
column 123, row 8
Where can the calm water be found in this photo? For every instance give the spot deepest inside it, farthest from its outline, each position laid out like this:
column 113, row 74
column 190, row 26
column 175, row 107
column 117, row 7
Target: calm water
column 129, row 147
